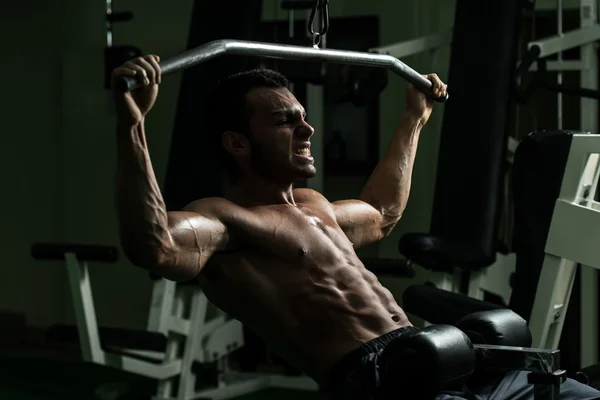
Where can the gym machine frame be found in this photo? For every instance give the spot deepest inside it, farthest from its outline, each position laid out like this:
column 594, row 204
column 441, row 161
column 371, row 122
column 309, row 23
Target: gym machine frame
column 576, row 211
column 558, row 272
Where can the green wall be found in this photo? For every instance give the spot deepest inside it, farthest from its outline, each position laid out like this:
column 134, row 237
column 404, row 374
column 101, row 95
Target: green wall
column 30, row 160
column 59, row 149
column 88, row 135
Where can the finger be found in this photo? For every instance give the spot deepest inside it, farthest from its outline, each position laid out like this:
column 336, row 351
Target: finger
column 123, row 71
column 153, row 61
column 434, row 88
column 140, row 72
column 150, row 71
column 437, row 83
column 144, row 70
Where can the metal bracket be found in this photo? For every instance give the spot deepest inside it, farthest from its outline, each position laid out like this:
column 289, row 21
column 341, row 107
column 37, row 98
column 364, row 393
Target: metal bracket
column 559, row 43
column 416, row 46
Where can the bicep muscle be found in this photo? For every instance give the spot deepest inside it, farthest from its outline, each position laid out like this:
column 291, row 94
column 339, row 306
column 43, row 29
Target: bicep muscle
column 361, row 222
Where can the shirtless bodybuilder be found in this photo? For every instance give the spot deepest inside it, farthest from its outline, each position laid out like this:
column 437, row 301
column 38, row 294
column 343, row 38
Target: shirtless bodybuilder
column 279, row 259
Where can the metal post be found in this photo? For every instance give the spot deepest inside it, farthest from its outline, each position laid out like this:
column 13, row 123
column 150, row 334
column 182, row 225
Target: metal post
column 167, row 387
column 109, row 32
column 85, row 313
column 559, row 80
column 161, row 305
column 589, row 122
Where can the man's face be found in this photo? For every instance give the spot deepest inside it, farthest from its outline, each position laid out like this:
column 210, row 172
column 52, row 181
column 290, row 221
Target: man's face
column 279, row 136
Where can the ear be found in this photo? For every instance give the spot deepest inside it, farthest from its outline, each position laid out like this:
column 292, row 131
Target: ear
column 236, row 143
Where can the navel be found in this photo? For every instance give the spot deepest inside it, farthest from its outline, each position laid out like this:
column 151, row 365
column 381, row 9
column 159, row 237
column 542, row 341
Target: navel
column 302, row 252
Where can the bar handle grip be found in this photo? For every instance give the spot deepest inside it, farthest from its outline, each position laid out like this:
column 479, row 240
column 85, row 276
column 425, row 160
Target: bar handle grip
column 217, row 48
column 126, row 84
column 417, row 80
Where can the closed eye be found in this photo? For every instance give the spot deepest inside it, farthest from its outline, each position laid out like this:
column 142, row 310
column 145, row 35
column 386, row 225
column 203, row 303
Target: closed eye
column 285, row 117
column 292, row 119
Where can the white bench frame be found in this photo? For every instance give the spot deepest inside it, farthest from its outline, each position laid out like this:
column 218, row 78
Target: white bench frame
column 190, row 338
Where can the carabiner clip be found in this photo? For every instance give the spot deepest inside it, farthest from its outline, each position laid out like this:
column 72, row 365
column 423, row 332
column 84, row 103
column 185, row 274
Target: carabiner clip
column 322, row 7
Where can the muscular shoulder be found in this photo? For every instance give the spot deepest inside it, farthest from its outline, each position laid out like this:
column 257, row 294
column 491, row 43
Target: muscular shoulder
column 218, row 208
column 209, row 204
column 304, row 195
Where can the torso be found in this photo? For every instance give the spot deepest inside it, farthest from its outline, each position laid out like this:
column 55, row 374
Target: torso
column 293, row 277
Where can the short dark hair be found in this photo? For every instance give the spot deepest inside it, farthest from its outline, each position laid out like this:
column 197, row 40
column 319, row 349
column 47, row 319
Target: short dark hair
column 228, row 111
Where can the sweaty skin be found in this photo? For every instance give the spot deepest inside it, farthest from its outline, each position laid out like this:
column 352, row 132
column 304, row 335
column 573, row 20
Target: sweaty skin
column 281, row 260
column 298, row 282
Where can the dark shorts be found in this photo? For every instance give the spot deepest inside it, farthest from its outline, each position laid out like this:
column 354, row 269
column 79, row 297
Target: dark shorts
column 356, row 376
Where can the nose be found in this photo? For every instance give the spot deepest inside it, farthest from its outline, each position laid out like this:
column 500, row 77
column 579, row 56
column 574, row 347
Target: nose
column 305, row 130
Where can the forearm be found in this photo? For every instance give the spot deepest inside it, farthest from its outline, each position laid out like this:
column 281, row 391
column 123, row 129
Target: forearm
column 388, row 188
column 141, row 211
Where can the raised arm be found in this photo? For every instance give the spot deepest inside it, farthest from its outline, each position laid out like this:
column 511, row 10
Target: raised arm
column 175, row 245
column 384, row 197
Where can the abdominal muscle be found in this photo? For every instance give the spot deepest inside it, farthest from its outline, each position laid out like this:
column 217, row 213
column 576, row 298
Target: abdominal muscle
column 310, row 313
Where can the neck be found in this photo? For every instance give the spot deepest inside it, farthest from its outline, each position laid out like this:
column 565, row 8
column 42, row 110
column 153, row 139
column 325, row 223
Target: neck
column 257, row 191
